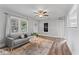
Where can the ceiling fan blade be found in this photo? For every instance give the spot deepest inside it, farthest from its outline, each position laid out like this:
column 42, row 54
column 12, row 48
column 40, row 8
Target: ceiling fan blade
column 44, row 12
column 36, row 12
column 41, row 12
column 45, row 15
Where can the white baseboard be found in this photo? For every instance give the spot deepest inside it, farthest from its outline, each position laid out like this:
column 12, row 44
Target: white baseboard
column 51, row 36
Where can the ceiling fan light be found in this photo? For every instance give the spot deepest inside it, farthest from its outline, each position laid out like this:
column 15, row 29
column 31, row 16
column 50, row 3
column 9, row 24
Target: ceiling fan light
column 40, row 15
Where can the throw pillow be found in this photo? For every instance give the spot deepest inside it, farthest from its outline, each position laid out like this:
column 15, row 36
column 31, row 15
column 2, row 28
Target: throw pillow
column 19, row 37
column 22, row 36
column 25, row 35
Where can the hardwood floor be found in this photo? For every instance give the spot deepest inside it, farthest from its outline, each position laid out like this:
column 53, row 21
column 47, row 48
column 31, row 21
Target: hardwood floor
column 61, row 50
column 59, row 47
column 48, row 46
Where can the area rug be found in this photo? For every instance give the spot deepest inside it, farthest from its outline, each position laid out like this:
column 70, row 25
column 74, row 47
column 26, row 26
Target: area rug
column 31, row 49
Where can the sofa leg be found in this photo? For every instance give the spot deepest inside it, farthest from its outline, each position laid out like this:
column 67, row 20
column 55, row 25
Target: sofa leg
column 11, row 50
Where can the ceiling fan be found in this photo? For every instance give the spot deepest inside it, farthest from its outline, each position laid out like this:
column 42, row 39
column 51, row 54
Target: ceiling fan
column 41, row 13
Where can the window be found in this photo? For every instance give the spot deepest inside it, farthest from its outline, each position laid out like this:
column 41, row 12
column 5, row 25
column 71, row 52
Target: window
column 72, row 18
column 18, row 25
column 23, row 25
column 45, row 27
column 14, row 25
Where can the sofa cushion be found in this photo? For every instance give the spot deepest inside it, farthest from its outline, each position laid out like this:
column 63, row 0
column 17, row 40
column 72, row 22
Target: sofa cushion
column 15, row 36
column 20, row 41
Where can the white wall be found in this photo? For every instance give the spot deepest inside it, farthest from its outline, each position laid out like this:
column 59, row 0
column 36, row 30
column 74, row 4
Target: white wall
column 72, row 34
column 55, row 27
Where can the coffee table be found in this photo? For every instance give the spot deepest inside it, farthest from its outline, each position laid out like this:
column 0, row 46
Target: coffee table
column 40, row 46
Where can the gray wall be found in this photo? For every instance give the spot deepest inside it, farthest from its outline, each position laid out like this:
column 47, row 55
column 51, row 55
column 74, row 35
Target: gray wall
column 32, row 25
column 2, row 28
column 55, row 27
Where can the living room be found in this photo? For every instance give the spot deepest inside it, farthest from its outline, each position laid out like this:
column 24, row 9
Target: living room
column 54, row 24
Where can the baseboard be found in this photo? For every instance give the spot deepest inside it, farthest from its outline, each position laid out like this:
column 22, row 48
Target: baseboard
column 50, row 36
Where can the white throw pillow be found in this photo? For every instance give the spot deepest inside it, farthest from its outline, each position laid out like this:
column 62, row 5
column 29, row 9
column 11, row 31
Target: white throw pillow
column 22, row 36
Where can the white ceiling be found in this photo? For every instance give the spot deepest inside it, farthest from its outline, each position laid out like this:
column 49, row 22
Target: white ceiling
column 54, row 10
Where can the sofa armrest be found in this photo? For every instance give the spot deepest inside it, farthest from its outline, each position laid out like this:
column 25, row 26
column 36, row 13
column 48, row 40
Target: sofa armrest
column 10, row 42
column 9, row 38
column 29, row 37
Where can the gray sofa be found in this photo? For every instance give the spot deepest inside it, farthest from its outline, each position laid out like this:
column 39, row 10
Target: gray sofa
column 14, row 41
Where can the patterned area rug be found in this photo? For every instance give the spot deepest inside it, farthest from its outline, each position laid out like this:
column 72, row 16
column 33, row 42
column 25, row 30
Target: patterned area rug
column 41, row 47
